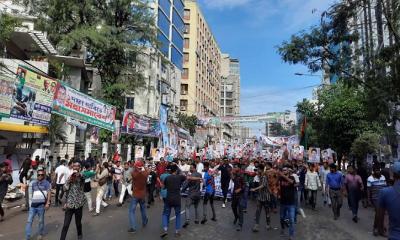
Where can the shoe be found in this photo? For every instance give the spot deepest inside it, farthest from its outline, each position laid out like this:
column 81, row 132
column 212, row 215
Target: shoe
column 164, row 234
column 244, row 210
column 255, row 228
column 185, row 224
column 355, row 219
column 196, row 222
column 144, row 224
column 235, row 221
column 268, row 227
column 177, row 234
column 375, row 232
column 131, row 230
column 287, row 221
column 214, row 219
column 239, row 228
column 80, row 237
column 40, row 237
column 223, row 205
column 91, row 210
column 95, row 214
column 119, row 205
column 203, row 221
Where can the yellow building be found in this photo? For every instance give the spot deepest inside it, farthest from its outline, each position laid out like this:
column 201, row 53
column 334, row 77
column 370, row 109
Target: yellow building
column 201, row 74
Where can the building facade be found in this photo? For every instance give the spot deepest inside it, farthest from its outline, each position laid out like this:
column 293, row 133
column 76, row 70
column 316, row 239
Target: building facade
column 201, row 72
column 230, row 86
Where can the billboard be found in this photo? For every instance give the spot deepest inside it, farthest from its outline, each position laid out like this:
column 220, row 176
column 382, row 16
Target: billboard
column 133, row 123
column 6, row 92
column 69, row 102
column 32, row 97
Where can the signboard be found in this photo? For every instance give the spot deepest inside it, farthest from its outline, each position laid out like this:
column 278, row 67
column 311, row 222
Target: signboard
column 117, row 132
column 32, row 97
column 72, row 103
column 6, row 94
column 133, row 123
column 164, row 125
column 314, row 155
column 139, row 152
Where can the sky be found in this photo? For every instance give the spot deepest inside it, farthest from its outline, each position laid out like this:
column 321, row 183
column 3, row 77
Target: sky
column 250, row 30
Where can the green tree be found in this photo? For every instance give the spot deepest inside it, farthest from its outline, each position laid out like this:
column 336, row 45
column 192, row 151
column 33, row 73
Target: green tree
column 187, row 122
column 56, row 131
column 366, row 143
column 7, row 25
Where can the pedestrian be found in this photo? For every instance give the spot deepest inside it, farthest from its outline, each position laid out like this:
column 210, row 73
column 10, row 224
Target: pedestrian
column 225, row 170
column 61, row 174
column 287, row 200
column 30, row 176
column 273, row 184
column 263, row 199
column 237, row 196
column 101, row 178
column 375, row 183
column 126, row 183
column 139, row 182
column 39, row 199
column 193, row 184
column 88, row 175
column 312, row 184
column 172, row 183
column 75, row 200
column 389, row 201
column 117, row 175
column 209, row 185
column 9, row 163
column 5, row 180
column 354, row 187
column 108, row 195
column 334, row 183
column 323, row 173
column 151, row 186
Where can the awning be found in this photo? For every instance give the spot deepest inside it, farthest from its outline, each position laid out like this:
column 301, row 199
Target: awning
column 22, row 128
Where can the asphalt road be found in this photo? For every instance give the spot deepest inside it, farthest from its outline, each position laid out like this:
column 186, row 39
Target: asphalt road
column 113, row 224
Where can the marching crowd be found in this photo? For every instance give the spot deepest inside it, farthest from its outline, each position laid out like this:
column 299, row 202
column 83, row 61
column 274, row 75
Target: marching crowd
column 189, row 183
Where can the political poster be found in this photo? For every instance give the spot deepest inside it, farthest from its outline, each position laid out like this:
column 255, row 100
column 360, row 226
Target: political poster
column 32, row 97
column 157, row 154
column 164, row 125
column 7, row 83
column 135, row 124
column 139, row 152
column 297, row 152
column 94, row 135
column 117, row 132
column 327, row 155
column 314, row 155
column 78, row 124
column 69, row 102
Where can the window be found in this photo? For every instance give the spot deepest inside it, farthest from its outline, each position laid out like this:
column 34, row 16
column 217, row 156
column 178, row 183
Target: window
column 186, row 57
column 163, row 22
column 179, row 6
column 177, row 39
column 177, row 21
column 186, row 43
column 184, row 89
column 164, row 43
column 130, row 103
column 176, row 57
column 165, row 5
column 186, row 14
column 187, row 28
column 183, row 105
column 185, row 73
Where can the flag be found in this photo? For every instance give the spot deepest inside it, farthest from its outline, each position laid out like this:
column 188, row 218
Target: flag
column 303, row 133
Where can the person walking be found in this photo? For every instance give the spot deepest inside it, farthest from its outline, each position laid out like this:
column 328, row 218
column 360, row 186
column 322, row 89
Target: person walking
column 389, row 201
column 323, row 173
column 225, row 170
column 353, row 189
column 101, row 178
column 117, row 175
column 75, row 200
column 126, row 183
column 287, row 200
column 139, row 182
column 263, row 199
column 39, row 199
column 209, row 185
column 61, row 174
column 237, row 196
column 375, row 183
column 151, row 185
column 194, row 194
column 312, row 184
column 334, row 183
column 88, row 175
column 5, row 180
column 172, row 183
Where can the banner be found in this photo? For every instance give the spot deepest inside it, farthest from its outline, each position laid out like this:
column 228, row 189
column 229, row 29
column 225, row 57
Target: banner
column 117, row 132
column 314, row 155
column 6, row 93
column 133, row 123
column 139, row 152
column 94, row 135
column 78, row 124
column 72, row 103
column 32, row 97
column 164, row 125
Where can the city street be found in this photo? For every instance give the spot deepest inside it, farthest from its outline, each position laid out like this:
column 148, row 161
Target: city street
column 113, row 224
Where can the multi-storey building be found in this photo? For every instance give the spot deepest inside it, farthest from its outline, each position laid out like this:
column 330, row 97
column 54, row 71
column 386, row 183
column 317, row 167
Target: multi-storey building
column 230, row 86
column 201, row 73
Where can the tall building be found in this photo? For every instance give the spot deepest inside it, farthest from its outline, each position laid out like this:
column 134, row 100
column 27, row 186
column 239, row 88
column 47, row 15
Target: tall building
column 230, row 86
column 201, row 73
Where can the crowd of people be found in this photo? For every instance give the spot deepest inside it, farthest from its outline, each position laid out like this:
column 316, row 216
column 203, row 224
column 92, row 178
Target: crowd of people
column 289, row 185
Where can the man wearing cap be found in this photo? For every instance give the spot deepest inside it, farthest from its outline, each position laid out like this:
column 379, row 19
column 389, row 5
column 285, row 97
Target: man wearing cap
column 139, row 182
column 389, row 201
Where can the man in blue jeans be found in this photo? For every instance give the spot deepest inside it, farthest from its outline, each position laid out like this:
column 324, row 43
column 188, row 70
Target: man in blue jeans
column 39, row 199
column 139, row 182
column 288, row 201
column 173, row 185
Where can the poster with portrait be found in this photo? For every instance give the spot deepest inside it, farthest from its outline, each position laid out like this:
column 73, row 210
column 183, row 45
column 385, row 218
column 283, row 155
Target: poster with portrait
column 32, row 96
column 327, row 155
column 139, row 152
column 314, row 155
column 157, row 154
column 7, row 83
column 297, row 152
column 94, row 135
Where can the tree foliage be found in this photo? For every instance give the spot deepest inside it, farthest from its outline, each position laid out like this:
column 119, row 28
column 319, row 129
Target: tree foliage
column 187, row 122
column 366, row 143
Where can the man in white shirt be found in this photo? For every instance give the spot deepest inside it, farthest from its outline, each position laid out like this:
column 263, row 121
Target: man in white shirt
column 62, row 173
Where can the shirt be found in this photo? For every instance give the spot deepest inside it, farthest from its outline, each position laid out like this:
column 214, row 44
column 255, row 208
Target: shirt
column 375, row 185
column 288, row 191
column 64, row 171
column 312, row 181
column 118, row 172
column 263, row 193
column 323, row 173
column 127, row 176
column 194, row 186
column 173, row 185
column 139, row 180
column 353, row 182
column 238, row 182
column 225, row 172
column 35, row 191
column 75, row 193
column 163, row 191
column 199, row 167
column 273, row 181
column 334, row 180
column 88, row 175
column 209, row 183
column 389, row 199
